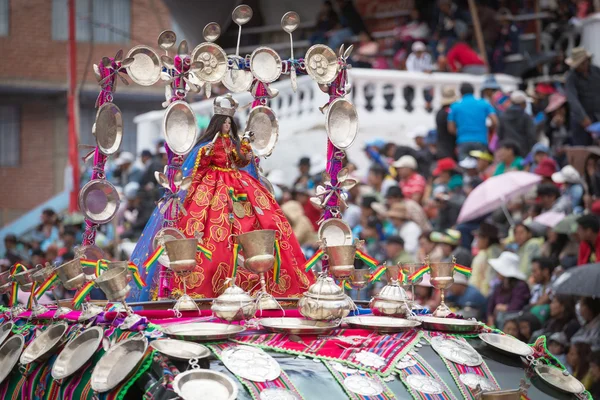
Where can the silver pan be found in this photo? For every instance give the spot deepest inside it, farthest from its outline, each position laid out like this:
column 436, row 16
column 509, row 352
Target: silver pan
column 341, row 123
column 265, row 64
column 117, row 363
column 146, row 67
column 99, row 201
column 43, row 346
column 108, row 128
column 179, row 124
column 213, row 59
column 321, row 64
column 9, row 355
column 263, row 123
column 77, row 352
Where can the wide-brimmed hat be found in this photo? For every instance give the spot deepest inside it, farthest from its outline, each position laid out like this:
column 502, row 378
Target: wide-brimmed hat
column 490, row 82
column 483, row 155
column 406, row 162
column 555, row 102
column 398, row 210
column 507, row 265
column 578, row 55
column 448, row 96
column 488, row 230
column 567, row 175
column 448, row 236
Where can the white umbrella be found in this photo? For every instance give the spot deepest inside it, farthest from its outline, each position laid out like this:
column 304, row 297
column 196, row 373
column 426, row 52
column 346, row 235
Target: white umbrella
column 550, row 218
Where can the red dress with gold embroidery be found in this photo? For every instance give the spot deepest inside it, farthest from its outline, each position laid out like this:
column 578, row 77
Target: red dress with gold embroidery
column 217, row 184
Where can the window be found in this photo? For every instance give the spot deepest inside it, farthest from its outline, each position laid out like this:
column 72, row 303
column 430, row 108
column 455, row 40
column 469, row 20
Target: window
column 10, row 132
column 4, row 17
column 106, row 21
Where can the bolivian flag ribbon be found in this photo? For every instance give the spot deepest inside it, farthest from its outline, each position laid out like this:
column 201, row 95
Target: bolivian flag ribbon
column 31, row 295
column 377, row 274
column 234, row 262
column 419, row 273
column 82, row 294
column 345, row 285
column 370, row 261
column 277, row 266
column 18, row 267
column 153, row 257
column 207, row 253
column 313, row 260
column 402, row 276
column 44, row 287
column 139, row 281
column 13, row 295
column 461, row 269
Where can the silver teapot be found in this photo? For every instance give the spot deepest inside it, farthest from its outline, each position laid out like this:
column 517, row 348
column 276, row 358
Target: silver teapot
column 325, row 300
column 234, row 304
column 391, row 301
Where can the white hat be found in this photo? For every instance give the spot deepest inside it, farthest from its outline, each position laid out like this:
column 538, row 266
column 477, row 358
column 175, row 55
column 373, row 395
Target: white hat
column 460, row 279
column 507, row 265
column 124, row 158
column 406, row 162
column 417, row 131
column 518, row 97
column 468, row 163
column 277, row 177
column 162, row 150
column 131, row 190
column 567, row 175
column 418, row 46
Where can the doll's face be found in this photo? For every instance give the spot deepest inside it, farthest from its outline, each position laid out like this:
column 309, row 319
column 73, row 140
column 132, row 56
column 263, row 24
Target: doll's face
column 226, row 127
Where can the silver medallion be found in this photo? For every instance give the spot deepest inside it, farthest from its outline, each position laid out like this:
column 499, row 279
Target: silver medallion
column 363, row 385
column 456, row 351
column 473, row 380
column 370, row 359
column 424, row 384
column 343, row 368
column 277, row 394
column 251, row 363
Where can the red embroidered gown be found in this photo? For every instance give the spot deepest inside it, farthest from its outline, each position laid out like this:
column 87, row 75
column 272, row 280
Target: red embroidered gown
column 217, row 184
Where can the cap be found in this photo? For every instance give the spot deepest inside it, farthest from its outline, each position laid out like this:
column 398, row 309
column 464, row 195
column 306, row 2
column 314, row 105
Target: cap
column 395, row 240
column 546, row 167
column 518, row 97
column 124, row 158
column 304, row 161
column 567, row 175
column 445, row 164
column 482, row 155
column 406, row 162
column 468, row 163
column 394, row 192
column 146, row 153
column 448, row 236
column 418, row 46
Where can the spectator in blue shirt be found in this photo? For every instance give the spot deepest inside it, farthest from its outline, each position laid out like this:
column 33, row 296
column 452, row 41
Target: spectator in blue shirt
column 462, row 295
column 467, row 120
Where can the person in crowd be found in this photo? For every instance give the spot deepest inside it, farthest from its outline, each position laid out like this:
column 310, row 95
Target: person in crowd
column 47, row 231
column 428, row 248
column 592, row 177
column 529, row 247
column 511, row 327
column 489, row 88
column 411, row 183
column 512, row 294
column 463, row 295
column 379, row 180
column 546, row 168
column 395, row 253
column 125, row 171
column 372, row 234
column 488, row 245
column 562, row 317
column 469, row 166
column 558, row 346
column 528, row 323
column 561, row 247
column 419, row 60
column 443, row 172
column 589, row 311
column 467, row 120
column 485, row 159
column 594, row 388
column 408, row 230
column 541, row 273
column 351, row 24
column 449, row 21
column 301, row 225
column 538, row 152
column 301, row 194
column 448, row 241
column 415, row 212
column 557, row 124
column 462, row 58
column 550, row 199
column 449, row 202
column 578, row 362
column 516, row 125
column 12, row 254
column 588, row 231
column 327, row 20
column 572, row 186
column 446, row 142
column 582, row 85
column 304, row 177
column 508, row 157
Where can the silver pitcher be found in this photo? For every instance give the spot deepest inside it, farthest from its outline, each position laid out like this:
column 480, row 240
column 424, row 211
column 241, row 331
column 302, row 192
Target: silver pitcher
column 71, row 274
column 182, row 254
column 114, row 283
column 341, row 260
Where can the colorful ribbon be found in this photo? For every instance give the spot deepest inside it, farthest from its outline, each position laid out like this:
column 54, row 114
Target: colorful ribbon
column 461, row 269
column 153, row 257
column 207, row 253
column 13, row 295
column 277, row 266
column 402, row 277
column 238, row 197
column 313, row 260
column 367, row 259
column 139, row 281
column 31, row 295
column 48, row 283
column 236, row 253
column 377, row 274
column 17, row 266
column 345, row 285
column 82, row 294
column 419, row 273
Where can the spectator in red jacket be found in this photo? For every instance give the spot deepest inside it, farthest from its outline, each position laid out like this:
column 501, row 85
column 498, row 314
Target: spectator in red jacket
column 462, row 58
column 588, row 228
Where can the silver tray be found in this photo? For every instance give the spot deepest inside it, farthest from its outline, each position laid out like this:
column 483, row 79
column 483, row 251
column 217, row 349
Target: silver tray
column 297, row 326
column 179, row 125
column 558, row 380
column 5, row 330
column 180, row 349
column 265, row 64
column 9, row 355
column 201, row 384
column 108, row 128
column 363, row 385
column 203, row 331
column 213, row 59
column 251, row 363
column 457, row 351
column 117, row 363
column 506, row 344
column 448, row 324
column 381, row 323
column 77, row 352
column 321, row 64
column 43, row 346
column 263, row 123
column 237, row 80
column 341, row 123
column 146, row 67
column 99, row 201
column 336, row 232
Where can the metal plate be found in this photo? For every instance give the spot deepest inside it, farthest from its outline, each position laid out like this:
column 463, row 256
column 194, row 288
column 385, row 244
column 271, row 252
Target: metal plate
column 237, row 80
column 265, row 64
column 200, row 384
column 180, row 349
column 321, row 64
column 9, row 355
column 168, row 235
column 43, row 346
column 214, row 60
column 251, row 363
column 77, row 352
column 473, row 380
column 179, row 125
column 456, row 351
column 277, row 394
column 424, row 384
column 448, row 324
column 557, row 379
column 5, row 331
column 203, row 331
column 363, row 385
column 117, row 363
column 297, row 326
column 263, row 123
column 99, row 201
column 146, row 67
column 341, row 123
column 108, row 128
column 381, row 324
column 336, row 232
column 506, row 344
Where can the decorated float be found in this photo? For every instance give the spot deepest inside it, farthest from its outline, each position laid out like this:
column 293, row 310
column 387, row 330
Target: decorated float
column 218, row 302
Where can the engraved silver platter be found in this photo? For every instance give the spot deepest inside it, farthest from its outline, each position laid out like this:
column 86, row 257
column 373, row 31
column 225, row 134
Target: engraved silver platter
column 200, row 384
column 9, row 355
column 297, row 326
column 335, row 232
column 341, row 123
column 473, row 380
column 424, row 384
column 381, row 324
column 277, row 394
column 5, row 330
column 363, row 385
column 99, row 201
column 506, row 344
column 146, row 67
column 117, row 363
column 321, row 63
column 43, row 346
column 108, row 128
column 558, row 379
column 213, row 59
column 251, row 363
column 203, row 331
column 456, row 351
column 180, row 349
column 179, row 125
column 265, row 64
column 77, row 352
column 237, row 80
column 263, row 123
column 448, row 324
column 167, row 235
